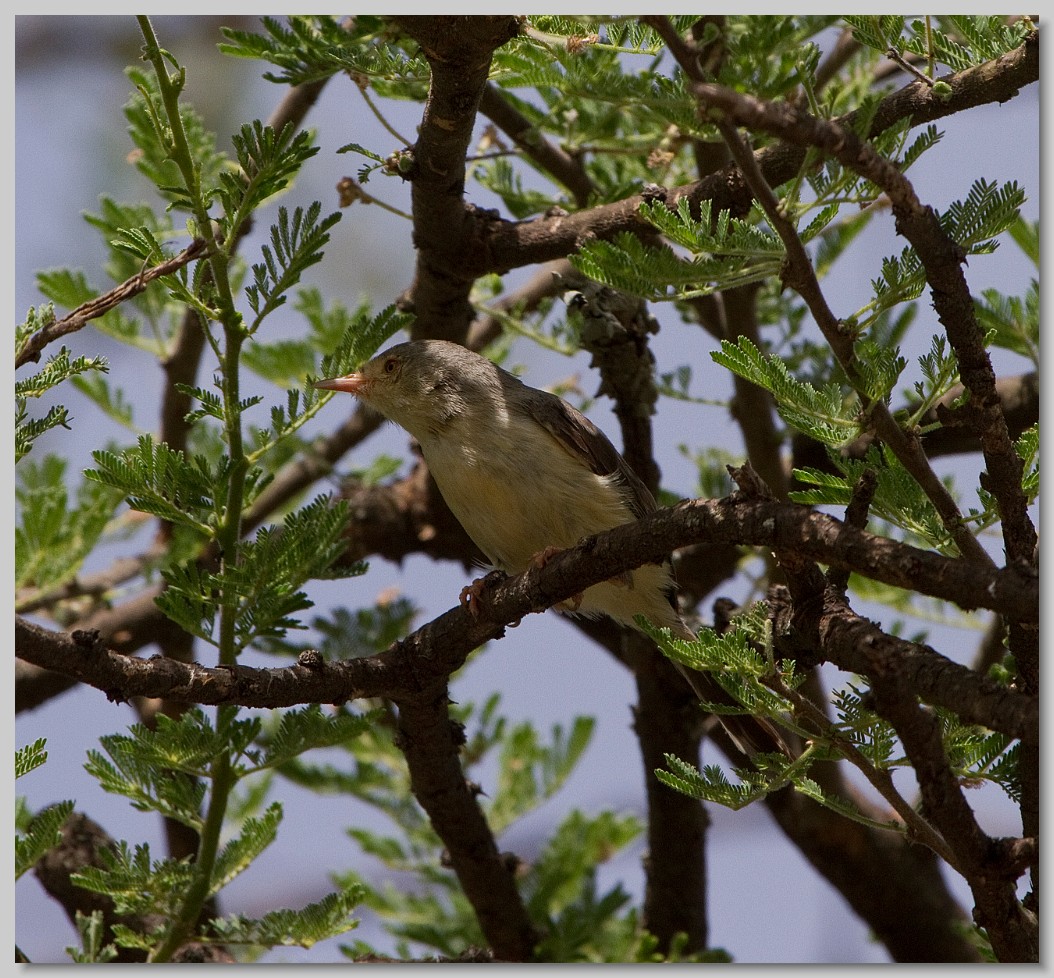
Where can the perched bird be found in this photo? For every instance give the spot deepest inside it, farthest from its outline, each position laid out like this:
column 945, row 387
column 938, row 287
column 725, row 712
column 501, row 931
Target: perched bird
column 526, row 475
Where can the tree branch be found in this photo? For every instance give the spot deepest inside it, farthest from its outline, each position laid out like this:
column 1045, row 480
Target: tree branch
column 942, row 260
column 431, row 742
column 100, row 305
column 458, row 50
column 798, row 273
column 1013, row 930
column 513, row 245
column 857, row 645
column 436, row 649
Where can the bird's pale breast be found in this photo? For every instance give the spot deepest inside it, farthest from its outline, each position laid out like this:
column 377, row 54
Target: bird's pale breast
column 514, row 504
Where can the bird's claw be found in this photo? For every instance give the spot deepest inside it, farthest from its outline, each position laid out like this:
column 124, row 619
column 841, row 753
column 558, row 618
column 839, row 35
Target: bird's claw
column 469, row 596
column 470, row 593
column 543, row 557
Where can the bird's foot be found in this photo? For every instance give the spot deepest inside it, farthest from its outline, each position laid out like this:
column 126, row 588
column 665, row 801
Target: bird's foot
column 469, row 596
column 540, row 559
column 470, row 593
column 543, row 557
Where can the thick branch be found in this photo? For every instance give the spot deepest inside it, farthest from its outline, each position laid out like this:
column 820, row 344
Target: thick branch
column 458, row 50
column 665, row 722
column 430, row 742
column 436, row 649
column 857, row 645
column 615, row 328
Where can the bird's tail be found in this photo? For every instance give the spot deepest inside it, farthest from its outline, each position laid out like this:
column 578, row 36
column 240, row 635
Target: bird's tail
column 752, row 735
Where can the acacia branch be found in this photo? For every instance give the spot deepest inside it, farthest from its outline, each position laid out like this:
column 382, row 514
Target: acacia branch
column 1018, row 398
column 515, row 244
column 1013, row 930
column 799, row 274
column 942, row 259
column 181, row 364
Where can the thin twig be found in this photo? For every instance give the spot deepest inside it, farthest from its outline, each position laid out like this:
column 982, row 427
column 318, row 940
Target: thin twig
column 100, row 305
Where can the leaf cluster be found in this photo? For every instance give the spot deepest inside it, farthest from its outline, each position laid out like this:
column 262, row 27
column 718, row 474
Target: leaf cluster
column 36, row 834
column 53, row 535
column 262, row 585
column 307, row 49
column 59, row 367
column 167, row 770
column 958, row 42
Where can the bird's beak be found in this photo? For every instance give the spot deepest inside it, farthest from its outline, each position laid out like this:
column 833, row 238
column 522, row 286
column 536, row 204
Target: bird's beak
column 351, row 384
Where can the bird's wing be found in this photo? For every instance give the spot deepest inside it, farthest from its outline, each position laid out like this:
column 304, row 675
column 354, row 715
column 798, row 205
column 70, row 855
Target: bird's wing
column 585, row 442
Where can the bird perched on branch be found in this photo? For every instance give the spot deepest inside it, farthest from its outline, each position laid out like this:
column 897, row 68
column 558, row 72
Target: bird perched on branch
column 527, row 475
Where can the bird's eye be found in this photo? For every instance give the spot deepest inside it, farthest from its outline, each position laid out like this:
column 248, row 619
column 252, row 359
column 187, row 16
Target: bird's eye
column 390, row 365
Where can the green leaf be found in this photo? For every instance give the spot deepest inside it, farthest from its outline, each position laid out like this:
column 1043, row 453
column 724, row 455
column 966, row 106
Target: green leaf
column 163, row 482
column 297, row 243
column 43, row 834
column 137, row 884
column 580, row 843
column 1027, row 448
column 167, row 769
column 711, row 784
column 144, row 112
column 309, row 728
column 305, row 927
column 93, row 930
column 1011, row 322
column 531, row 772
column 53, row 537
column 30, row 757
column 310, row 48
column 829, row 414
column 898, row 498
column 989, row 209
column 239, row 853
column 727, row 252
column 59, row 367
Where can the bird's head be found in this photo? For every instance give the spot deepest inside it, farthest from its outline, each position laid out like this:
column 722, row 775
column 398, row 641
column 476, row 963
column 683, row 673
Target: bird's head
column 421, row 385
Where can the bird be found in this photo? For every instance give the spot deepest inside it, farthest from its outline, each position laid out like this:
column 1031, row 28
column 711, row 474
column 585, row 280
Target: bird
column 526, row 474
